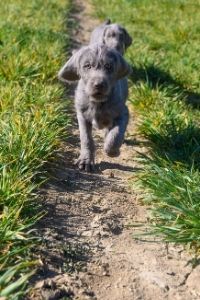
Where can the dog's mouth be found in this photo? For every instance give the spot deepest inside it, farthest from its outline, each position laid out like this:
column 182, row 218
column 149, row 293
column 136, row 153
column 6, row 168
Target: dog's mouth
column 98, row 97
column 98, row 94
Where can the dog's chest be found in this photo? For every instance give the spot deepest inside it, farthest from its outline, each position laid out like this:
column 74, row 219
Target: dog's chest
column 100, row 115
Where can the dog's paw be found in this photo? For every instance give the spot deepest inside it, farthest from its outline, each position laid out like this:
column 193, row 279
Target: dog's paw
column 85, row 164
column 113, row 152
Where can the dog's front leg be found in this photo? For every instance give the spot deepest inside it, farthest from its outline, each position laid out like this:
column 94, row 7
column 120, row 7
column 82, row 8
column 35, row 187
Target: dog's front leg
column 86, row 158
column 115, row 136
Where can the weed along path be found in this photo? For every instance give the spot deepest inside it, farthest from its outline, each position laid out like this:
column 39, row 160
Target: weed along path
column 88, row 251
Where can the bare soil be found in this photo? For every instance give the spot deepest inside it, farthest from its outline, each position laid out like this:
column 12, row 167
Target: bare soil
column 88, row 249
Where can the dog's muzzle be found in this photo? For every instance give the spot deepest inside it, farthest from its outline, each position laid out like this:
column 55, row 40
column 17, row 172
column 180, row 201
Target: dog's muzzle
column 99, row 90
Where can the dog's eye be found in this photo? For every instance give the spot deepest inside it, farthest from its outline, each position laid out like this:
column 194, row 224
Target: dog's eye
column 111, row 35
column 87, row 66
column 108, row 67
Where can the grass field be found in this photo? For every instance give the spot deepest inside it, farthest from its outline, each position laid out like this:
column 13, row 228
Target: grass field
column 165, row 94
column 32, row 41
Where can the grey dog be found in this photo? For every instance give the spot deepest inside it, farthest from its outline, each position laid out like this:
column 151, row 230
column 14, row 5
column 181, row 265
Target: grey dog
column 113, row 35
column 99, row 98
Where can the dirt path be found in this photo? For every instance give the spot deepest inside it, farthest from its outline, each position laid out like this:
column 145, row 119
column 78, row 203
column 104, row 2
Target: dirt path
column 88, row 251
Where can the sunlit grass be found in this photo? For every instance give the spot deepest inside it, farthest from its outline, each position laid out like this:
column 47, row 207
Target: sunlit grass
column 32, row 41
column 165, row 93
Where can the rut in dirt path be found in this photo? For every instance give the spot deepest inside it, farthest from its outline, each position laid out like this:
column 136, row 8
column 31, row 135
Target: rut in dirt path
column 88, row 250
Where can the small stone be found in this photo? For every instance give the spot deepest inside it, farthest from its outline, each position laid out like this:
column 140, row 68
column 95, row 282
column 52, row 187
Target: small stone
column 154, row 278
column 105, row 267
column 38, row 285
column 104, row 234
column 87, row 233
column 111, row 175
column 193, row 280
column 171, row 273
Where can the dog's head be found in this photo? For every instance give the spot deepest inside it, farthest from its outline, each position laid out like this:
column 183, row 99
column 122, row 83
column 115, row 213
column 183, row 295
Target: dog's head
column 116, row 37
column 99, row 67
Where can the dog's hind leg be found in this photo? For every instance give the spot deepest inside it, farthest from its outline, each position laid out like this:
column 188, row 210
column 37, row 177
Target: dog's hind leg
column 115, row 136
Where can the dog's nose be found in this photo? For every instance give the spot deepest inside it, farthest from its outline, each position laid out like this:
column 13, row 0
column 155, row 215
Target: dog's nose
column 99, row 85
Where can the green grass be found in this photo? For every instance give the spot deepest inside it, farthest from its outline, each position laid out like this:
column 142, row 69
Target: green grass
column 165, row 94
column 32, row 41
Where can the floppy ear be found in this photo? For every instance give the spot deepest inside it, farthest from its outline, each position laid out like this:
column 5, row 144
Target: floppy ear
column 70, row 71
column 123, row 68
column 127, row 38
column 106, row 22
column 104, row 33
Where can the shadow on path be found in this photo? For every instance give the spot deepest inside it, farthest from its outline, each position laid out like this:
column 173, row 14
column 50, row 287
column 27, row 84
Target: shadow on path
column 158, row 77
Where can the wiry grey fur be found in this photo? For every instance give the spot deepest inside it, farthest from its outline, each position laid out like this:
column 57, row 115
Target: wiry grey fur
column 99, row 98
column 113, row 35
